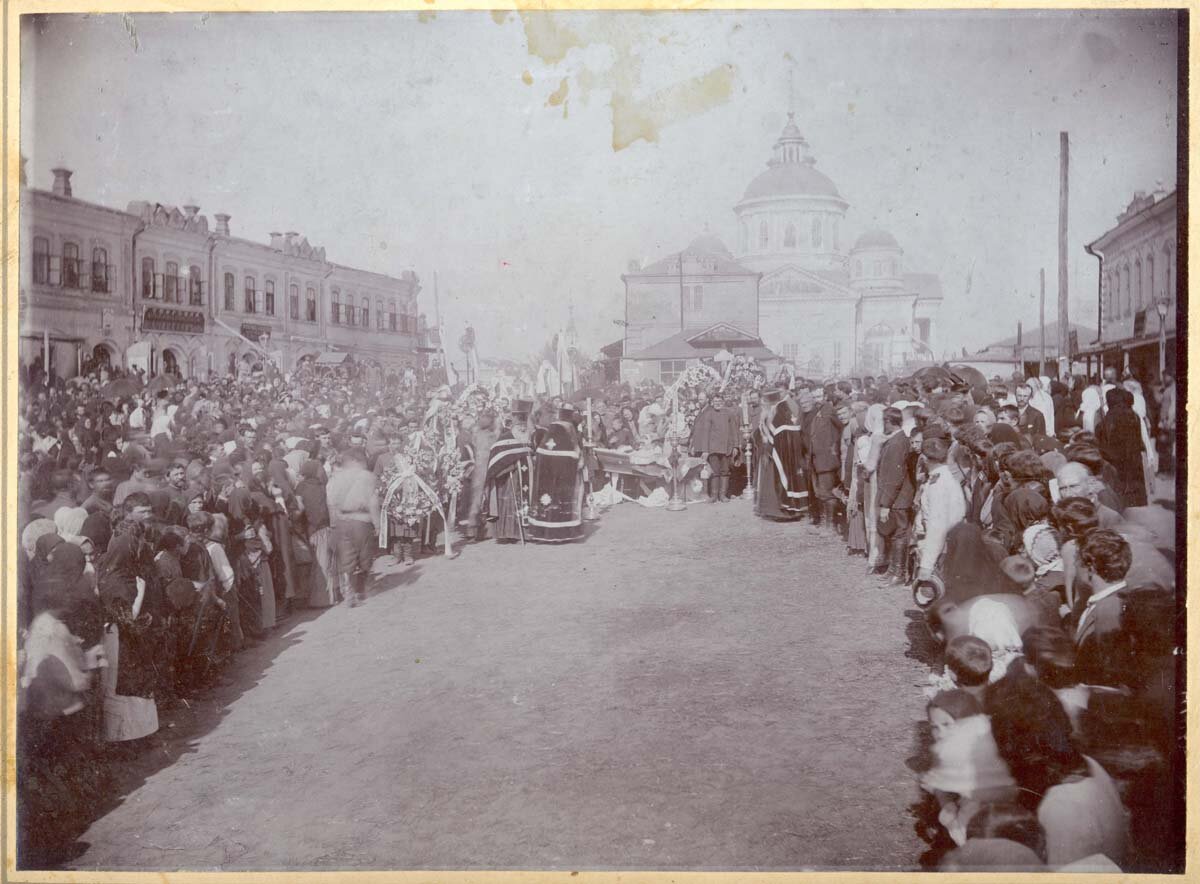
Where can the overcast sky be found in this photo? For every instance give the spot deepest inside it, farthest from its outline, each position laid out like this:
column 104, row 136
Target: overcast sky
column 526, row 159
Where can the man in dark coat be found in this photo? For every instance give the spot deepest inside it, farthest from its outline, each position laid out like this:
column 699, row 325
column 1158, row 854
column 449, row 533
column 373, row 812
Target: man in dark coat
column 824, row 445
column 1030, row 421
column 897, row 490
column 715, row 437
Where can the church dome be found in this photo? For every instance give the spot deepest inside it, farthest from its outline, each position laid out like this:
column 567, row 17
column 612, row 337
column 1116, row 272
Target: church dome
column 791, row 179
column 790, row 171
column 708, row 244
column 876, row 239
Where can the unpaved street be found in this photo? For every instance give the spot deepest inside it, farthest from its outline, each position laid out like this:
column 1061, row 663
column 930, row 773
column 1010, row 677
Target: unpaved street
column 696, row 690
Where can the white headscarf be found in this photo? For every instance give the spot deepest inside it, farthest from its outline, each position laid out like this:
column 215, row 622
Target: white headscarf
column 1041, row 400
column 1090, row 405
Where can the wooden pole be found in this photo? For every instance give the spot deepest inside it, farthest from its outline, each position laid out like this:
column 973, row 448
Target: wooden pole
column 1020, row 351
column 1064, row 326
column 681, row 291
column 1042, row 321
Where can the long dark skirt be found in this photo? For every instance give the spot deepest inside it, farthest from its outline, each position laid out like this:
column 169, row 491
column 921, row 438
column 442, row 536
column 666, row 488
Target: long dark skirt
column 507, row 526
column 768, row 502
column 971, row 566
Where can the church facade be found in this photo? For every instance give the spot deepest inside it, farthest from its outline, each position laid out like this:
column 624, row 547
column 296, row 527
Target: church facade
column 828, row 306
column 794, row 286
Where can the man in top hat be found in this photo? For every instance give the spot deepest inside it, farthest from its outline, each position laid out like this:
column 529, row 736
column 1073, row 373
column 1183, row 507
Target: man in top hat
column 507, row 475
column 556, row 490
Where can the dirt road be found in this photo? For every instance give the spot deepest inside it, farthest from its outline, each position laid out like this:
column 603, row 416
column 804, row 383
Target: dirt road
column 695, row 690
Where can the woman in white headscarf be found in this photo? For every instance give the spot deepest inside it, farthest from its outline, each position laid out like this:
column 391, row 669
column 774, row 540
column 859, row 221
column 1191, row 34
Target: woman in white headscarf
column 1090, row 408
column 1149, row 451
column 1041, row 399
column 874, row 436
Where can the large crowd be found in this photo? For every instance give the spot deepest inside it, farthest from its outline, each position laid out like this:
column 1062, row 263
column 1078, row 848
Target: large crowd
column 1024, row 515
column 165, row 526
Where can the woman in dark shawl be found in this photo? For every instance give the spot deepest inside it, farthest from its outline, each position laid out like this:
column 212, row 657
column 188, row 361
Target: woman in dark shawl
column 284, row 510
column 134, row 615
column 1064, row 409
column 1120, row 438
column 324, row 578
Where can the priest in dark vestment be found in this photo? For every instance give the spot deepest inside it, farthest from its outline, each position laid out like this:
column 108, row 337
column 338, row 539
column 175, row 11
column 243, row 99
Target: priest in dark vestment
column 782, row 486
column 556, row 492
column 508, row 470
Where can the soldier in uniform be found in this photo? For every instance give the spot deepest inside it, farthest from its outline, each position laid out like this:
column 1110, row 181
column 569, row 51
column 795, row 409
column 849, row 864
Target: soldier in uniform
column 556, row 492
column 507, row 475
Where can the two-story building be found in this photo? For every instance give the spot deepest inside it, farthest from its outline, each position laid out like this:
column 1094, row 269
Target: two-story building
column 76, row 279
column 195, row 300
column 1138, row 281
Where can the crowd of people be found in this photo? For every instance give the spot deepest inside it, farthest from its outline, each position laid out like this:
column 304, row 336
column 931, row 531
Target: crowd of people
column 1024, row 517
column 165, row 526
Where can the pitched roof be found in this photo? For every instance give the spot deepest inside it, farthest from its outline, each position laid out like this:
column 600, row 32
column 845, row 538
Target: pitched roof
column 1031, row 336
column 679, row 346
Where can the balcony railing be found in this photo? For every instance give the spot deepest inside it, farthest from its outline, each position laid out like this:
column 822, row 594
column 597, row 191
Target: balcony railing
column 72, row 274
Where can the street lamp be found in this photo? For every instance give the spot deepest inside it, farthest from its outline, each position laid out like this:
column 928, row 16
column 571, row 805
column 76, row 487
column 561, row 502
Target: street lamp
column 1162, row 305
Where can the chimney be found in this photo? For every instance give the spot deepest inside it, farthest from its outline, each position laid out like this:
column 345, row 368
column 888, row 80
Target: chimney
column 191, row 210
column 277, row 241
column 222, row 224
column 62, row 181
column 289, row 240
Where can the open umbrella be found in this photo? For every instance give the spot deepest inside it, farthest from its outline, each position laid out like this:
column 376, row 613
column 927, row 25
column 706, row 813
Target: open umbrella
column 162, row 382
column 121, row 387
column 973, row 378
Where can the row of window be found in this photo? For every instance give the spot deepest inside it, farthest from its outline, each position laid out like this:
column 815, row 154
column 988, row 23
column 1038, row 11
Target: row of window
column 68, row 270
column 792, row 237
column 1133, row 288
column 170, row 286
column 880, row 268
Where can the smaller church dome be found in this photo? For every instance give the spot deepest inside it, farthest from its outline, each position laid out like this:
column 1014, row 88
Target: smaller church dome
column 876, row 239
column 708, row 244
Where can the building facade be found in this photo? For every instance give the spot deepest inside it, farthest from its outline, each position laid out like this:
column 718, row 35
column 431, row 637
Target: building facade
column 1139, row 277
column 165, row 290
column 795, row 286
column 826, row 308
column 687, row 292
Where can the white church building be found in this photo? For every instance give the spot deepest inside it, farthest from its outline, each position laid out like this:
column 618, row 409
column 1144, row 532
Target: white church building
column 826, row 307
column 792, row 289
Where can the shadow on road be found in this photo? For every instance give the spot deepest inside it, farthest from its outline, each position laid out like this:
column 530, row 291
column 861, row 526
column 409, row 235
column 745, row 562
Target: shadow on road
column 127, row 766
column 922, row 646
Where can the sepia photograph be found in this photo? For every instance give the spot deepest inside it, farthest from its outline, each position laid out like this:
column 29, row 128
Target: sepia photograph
column 731, row 441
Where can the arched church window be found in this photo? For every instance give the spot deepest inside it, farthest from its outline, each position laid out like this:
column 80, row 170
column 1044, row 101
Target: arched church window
column 835, row 234
column 1137, row 282
column 879, row 268
column 816, row 232
column 789, row 236
column 763, row 236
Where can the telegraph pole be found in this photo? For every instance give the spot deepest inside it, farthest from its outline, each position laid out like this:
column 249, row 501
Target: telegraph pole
column 1042, row 320
column 1064, row 324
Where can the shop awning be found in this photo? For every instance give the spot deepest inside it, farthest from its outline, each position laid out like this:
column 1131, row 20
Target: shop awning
column 331, row 358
